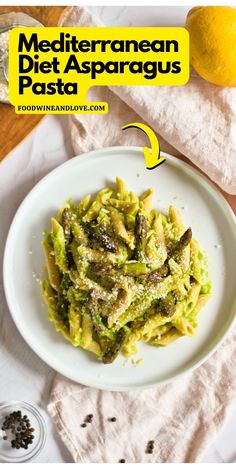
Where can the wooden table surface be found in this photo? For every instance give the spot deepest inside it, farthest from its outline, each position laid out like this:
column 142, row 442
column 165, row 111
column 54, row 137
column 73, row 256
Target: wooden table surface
column 13, row 127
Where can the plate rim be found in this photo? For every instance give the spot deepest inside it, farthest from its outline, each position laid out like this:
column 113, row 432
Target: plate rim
column 101, row 152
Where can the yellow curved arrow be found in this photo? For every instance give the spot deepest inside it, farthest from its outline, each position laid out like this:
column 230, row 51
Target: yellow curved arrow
column 152, row 156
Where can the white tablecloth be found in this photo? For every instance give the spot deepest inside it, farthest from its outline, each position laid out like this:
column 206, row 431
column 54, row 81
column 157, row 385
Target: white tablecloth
column 23, row 376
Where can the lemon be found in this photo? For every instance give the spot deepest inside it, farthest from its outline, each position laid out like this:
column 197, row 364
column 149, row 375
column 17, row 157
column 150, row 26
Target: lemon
column 212, row 33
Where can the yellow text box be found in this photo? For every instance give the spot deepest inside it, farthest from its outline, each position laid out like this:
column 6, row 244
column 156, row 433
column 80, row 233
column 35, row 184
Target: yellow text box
column 52, row 69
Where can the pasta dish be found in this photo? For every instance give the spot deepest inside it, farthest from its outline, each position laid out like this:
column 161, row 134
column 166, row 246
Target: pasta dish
column 119, row 272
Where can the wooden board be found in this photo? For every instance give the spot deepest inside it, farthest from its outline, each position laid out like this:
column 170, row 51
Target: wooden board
column 13, row 128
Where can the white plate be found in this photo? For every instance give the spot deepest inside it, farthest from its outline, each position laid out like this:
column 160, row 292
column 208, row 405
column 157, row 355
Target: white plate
column 204, row 209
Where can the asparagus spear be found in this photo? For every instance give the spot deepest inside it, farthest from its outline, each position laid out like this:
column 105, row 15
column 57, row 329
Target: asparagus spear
column 140, row 231
column 66, row 219
column 140, row 227
column 157, row 274
column 115, row 347
column 62, row 300
column 98, row 323
column 166, row 307
column 141, row 304
column 134, row 268
column 103, row 235
column 181, row 244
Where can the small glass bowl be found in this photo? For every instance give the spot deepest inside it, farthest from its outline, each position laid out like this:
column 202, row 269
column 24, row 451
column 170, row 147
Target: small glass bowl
column 9, row 454
column 8, row 21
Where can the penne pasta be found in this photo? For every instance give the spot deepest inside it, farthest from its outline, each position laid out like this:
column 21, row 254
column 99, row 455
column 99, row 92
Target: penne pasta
column 195, row 262
column 120, row 229
column 54, row 276
column 146, row 201
column 119, row 272
column 184, row 326
column 177, row 222
column 84, row 206
column 167, row 338
column 121, row 189
column 59, row 245
column 201, row 302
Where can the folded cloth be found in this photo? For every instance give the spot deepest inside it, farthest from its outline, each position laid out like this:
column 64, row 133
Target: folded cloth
column 183, row 417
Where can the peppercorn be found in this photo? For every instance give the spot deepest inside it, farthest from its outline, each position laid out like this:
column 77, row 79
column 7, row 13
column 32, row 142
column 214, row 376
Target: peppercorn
column 150, row 447
column 83, row 425
column 20, row 427
column 113, row 419
column 122, row 461
column 89, row 418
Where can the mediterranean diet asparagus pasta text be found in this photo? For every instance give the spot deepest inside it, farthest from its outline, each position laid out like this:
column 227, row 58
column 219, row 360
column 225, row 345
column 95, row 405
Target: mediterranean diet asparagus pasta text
column 119, row 272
